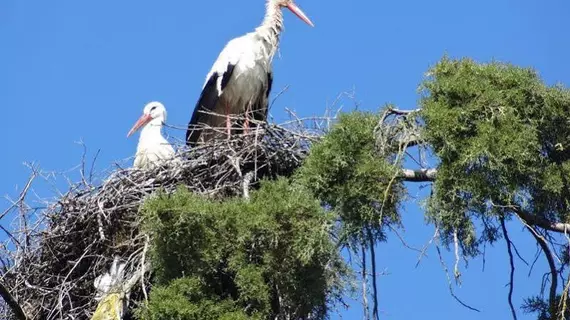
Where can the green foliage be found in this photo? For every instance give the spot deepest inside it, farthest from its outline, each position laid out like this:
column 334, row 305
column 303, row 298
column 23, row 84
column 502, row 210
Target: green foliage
column 542, row 308
column 188, row 298
column 242, row 260
column 503, row 139
column 345, row 171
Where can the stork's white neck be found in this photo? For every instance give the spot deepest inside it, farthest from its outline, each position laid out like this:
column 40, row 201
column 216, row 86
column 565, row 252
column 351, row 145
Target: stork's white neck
column 151, row 131
column 271, row 27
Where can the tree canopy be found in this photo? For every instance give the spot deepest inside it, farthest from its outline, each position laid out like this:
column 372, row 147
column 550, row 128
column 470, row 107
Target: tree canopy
column 270, row 257
column 499, row 140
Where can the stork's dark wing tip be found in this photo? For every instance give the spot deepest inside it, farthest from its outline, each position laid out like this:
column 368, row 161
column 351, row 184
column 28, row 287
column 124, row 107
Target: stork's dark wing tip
column 207, row 101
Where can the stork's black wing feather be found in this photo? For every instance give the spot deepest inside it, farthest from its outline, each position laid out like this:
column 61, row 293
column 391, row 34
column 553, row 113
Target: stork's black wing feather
column 269, row 83
column 260, row 110
column 207, row 102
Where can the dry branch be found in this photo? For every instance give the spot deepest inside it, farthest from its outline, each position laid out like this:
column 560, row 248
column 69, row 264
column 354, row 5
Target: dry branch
column 552, row 265
column 512, row 265
column 542, row 222
column 420, row 175
column 12, row 303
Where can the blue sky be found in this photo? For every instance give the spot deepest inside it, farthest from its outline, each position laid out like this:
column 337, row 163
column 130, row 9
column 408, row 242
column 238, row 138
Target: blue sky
column 83, row 70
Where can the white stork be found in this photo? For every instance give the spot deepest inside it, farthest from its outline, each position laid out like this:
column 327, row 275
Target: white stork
column 112, row 293
column 153, row 147
column 240, row 80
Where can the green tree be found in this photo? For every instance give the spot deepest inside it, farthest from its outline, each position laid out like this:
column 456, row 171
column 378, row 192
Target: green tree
column 501, row 142
column 271, row 256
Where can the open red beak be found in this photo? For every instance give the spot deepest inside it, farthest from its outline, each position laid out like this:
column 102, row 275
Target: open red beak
column 144, row 119
column 299, row 13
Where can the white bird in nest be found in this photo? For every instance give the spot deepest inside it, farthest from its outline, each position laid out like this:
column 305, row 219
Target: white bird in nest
column 111, row 293
column 152, row 148
column 241, row 78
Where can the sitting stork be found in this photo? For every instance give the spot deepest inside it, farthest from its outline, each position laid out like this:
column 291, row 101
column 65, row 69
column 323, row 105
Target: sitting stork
column 152, row 147
column 241, row 78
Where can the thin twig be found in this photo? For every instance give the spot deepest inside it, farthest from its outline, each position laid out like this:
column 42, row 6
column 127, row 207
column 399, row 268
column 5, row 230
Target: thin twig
column 278, row 95
column 456, row 272
column 449, row 282
column 12, row 303
column 512, row 264
column 145, row 250
column 424, row 249
column 374, row 284
column 404, row 243
column 364, row 276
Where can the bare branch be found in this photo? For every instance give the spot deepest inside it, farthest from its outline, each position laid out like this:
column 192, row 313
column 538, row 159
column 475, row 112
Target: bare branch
column 374, row 284
column 563, row 301
column 541, row 222
column 420, row 175
column 403, row 241
column 449, row 282
column 278, row 95
column 12, row 303
column 143, row 265
column 364, row 275
column 518, row 253
column 551, row 264
column 511, row 261
column 403, row 112
column 22, row 196
column 456, row 272
column 424, row 249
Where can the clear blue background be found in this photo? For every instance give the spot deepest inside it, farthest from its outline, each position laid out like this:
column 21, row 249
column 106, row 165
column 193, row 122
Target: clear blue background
column 82, row 70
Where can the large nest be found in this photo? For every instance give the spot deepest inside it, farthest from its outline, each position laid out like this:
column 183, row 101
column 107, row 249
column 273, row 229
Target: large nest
column 55, row 253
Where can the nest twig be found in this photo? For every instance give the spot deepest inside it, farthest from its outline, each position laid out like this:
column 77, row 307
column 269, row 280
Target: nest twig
column 55, row 251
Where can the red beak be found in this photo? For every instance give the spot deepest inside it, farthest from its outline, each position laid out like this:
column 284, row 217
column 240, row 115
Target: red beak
column 144, row 119
column 299, row 13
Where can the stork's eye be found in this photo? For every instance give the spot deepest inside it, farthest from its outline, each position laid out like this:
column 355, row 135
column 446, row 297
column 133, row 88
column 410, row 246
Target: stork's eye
column 152, row 108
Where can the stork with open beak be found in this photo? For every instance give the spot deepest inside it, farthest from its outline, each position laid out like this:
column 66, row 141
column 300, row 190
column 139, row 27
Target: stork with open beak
column 153, row 148
column 241, row 78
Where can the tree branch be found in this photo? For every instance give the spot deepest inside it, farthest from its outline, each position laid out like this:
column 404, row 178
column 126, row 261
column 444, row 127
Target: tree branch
column 420, row 175
column 541, row 222
column 449, row 282
column 12, row 303
column 374, row 285
column 511, row 261
column 402, row 112
column 364, row 280
column 554, row 278
column 429, row 175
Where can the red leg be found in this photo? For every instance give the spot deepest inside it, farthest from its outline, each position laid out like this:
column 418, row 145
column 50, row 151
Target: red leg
column 246, row 124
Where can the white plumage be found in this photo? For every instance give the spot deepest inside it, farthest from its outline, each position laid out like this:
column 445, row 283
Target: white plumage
column 250, row 59
column 241, row 78
column 111, row 293
column 111, row 280
column 152, row 148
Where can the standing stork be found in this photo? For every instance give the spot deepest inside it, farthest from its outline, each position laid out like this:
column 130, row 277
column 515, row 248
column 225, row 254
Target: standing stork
column 241, row 78
column 152, row 148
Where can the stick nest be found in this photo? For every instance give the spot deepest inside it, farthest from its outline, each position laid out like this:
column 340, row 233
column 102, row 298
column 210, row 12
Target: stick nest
column 55, row 252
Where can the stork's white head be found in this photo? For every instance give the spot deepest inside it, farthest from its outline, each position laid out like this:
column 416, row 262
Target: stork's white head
column 290, row 4
column 154, row 114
